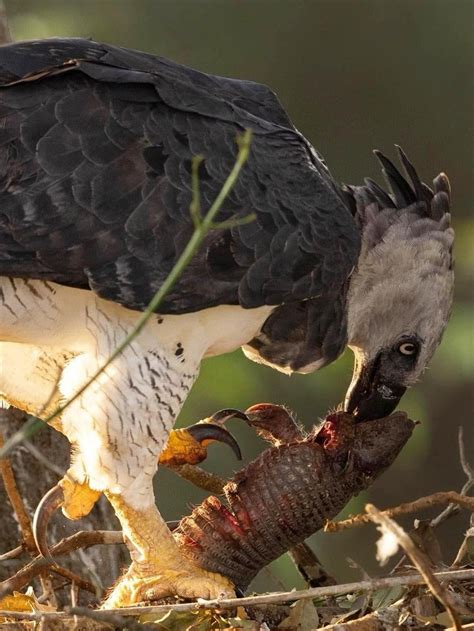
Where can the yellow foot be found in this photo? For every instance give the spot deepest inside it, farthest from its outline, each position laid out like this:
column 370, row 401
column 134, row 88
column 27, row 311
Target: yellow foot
column 76, row 501
column 79, row 499
column 190, row 583
column 158, row 569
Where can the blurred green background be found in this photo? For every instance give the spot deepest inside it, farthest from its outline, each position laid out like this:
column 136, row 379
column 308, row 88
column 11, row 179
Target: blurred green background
column 353, row 75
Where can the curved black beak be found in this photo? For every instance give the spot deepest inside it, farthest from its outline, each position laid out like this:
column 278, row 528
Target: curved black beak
column 371, row 395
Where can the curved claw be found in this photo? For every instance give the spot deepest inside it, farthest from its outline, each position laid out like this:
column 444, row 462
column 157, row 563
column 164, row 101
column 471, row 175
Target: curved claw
column 48, row 505
column 202, row 432
column 222, row 416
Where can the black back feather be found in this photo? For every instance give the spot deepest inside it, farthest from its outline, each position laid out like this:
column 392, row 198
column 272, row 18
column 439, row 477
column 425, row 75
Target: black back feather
column 96, row 147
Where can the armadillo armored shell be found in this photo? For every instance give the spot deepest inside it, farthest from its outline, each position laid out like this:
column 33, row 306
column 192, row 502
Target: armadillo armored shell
column 287, row 494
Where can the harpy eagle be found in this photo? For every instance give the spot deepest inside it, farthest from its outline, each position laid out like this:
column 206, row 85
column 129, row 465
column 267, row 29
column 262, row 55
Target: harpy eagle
column 96, row 146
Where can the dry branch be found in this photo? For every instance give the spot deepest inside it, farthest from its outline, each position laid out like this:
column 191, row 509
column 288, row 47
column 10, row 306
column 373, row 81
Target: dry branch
column 202, row 479
column 469, row 484
column 83, row 539
column 443, row 497
column 264, row 599
column 309, row 566
column 115, row 620
column 12, row 554
column 38, row 566
column 419, row 559
column 14, row 496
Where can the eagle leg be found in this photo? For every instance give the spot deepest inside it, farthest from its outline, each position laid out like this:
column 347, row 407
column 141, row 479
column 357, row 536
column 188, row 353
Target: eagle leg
column 185, row 446
column 158, row 568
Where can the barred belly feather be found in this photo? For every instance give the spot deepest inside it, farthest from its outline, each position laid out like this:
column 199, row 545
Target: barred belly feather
column 57, row 337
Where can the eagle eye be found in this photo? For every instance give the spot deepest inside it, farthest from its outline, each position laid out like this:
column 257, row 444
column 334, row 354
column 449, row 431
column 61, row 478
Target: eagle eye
column 408, row 348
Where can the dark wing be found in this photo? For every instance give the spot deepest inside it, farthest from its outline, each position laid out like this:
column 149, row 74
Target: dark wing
column 96, row 145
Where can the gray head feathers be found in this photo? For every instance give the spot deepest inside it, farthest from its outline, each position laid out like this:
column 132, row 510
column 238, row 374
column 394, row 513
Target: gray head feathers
column 403, row 284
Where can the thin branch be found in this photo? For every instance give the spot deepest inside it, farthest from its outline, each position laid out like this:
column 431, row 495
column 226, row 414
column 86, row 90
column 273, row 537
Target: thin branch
column 36, row 453
column 202, row 228
column 263, row 599
column 419, row 559
column 466, row 467
column 200, row 478
column 469, row 484
column 309, row 566
column 38, row 566
column 195, row 208
column 114, row 619
column 48, row 594
column 12, row 554
column 16, row 501
column 74, row 595
column 464, row 548
column 83, row 539
column 370, row 622
column 443, row 497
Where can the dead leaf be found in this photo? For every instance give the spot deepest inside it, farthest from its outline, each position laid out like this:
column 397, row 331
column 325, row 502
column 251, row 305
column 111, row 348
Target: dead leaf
column 383, row 598
column 425, row 538
column 470, row 543
column 303, row 617
column 201, row 620
column 249, row 626
column 22, row 602
column 424, row 606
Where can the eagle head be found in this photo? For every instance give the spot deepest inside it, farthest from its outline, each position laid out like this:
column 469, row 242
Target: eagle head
column 401, row 292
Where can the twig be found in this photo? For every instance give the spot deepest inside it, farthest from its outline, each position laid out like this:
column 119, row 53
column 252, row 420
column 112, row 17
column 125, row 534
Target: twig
column 463, row 550
column 419, row 559
column 27, row 534
column 309, row 566
column 202, row 227
column 14, row 496
column 83, row 539
column 38, row 566
column 74, row 592
column 12, row 554
column 200, row 478
column 89, row 567
column 36, row 453
column 370, row 622
column 48, row 594
column 443, row 497
column 466, row 467
column 469, row 484
column 264, row 599
column 114, row 619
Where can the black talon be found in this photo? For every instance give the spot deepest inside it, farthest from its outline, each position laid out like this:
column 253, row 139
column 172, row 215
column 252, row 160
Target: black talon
column 222, row 416
column 48, row 505
column 209, row 431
